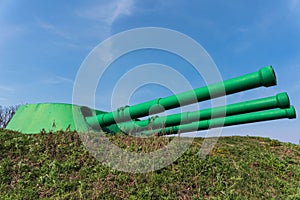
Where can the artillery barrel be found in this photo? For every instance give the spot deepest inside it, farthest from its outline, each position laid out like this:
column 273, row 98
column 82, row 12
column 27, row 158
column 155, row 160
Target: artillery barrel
column 281, row 100
column 264, row 77
column 227, row 121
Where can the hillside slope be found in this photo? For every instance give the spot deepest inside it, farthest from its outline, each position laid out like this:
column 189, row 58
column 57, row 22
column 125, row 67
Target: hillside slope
column 57, row 166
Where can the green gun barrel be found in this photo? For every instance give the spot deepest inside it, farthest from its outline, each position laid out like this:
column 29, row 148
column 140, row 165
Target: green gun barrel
column 281, row 100
column 227, row 121
column 264, row 77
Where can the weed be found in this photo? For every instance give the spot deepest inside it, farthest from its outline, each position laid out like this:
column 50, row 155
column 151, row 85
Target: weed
column 58, row 166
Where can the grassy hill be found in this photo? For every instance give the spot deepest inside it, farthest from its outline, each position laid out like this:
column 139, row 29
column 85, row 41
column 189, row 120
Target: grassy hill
column 57, row 166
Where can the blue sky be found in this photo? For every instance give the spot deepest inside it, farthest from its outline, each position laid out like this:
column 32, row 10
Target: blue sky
column 43, row 43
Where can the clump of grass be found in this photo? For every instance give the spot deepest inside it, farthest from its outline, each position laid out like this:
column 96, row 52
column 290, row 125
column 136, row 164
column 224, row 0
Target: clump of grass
column 58, row 166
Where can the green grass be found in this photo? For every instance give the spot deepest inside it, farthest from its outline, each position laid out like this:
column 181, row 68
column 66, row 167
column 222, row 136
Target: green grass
column 57, row 166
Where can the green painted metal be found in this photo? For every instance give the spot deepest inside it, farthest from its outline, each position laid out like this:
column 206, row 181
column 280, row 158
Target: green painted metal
column 264, row 77
column 281, row 100
column 35, row 118
column 226, row 121
column 47, row 117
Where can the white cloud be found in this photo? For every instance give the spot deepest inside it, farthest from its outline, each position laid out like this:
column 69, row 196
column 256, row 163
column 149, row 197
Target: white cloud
column 122, row 7
column 294, row 4
column 2, row 99
column 64, row 36
column 58, row 80
column 5, row 6
column 4, row 88
column 55, row 30
column 102, row 16
column 294, row 8
column 10, row 32
column 108, row 13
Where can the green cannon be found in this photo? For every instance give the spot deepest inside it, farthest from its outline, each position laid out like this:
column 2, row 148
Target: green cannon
column 279, row 101
column 264, row 77
column 226, row 121
column 34, row 118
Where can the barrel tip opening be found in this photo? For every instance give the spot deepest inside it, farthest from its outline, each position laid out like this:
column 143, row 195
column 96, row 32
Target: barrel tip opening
column 291, row 112
column 283, row 100
column 268, row 77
